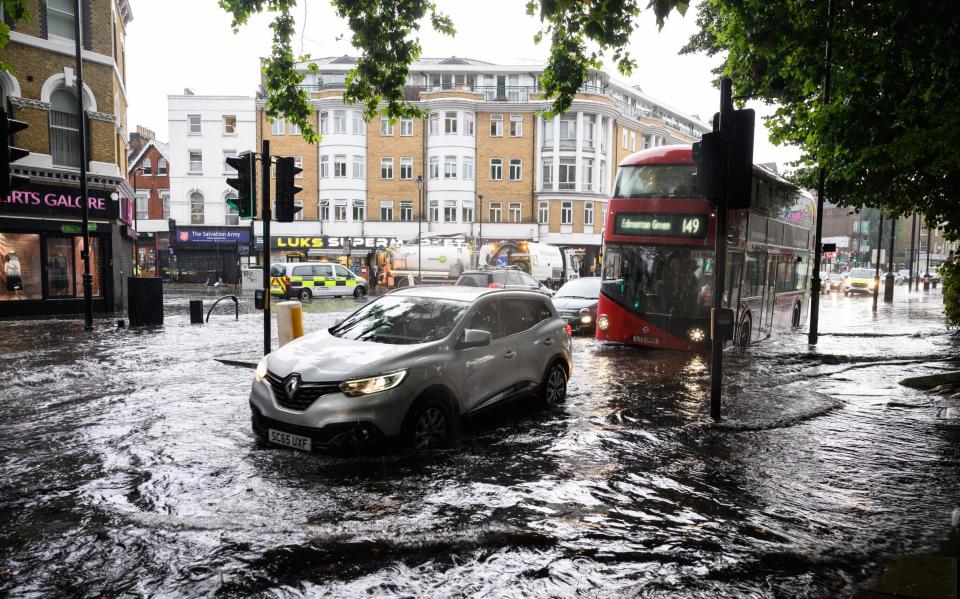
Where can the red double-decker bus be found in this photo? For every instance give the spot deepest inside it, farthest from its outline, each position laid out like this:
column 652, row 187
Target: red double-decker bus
column 658, row 256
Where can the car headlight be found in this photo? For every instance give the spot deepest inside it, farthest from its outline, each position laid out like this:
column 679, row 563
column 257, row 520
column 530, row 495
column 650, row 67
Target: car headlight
column 374, row 384
column 603, row 323
column 585, row 316
column 261, row 372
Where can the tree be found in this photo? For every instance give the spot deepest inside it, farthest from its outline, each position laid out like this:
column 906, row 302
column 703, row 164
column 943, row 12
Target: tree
column 888, row 138
column 13, row 11
column 384, row 32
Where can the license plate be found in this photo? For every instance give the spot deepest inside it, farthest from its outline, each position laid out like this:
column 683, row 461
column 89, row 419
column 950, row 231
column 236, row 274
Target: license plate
column 294, row 441
column 650, row 340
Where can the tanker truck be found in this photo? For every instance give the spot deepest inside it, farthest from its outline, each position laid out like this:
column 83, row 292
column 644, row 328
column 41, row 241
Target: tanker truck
column 439, row 264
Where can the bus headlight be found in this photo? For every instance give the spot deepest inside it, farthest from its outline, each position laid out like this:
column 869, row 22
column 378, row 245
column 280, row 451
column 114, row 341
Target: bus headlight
column 603, row 323
column 696, row 335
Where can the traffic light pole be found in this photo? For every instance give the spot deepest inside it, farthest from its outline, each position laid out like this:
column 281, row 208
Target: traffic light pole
column 888, row 284
column 266, row 215
column 84, row 196
column 876, row 273
column 720, row 251
column 913, row 245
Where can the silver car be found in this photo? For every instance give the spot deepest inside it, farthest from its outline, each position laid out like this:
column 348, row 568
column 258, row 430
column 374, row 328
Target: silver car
column 410, row 364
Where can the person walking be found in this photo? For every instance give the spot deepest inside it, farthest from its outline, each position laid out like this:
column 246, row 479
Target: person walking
column 374, row 279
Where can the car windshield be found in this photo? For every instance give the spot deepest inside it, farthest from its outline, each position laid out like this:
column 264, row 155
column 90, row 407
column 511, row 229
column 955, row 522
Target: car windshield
column 587, row 288
column 277, row 271
column 401, row 320
column 835, row 277
column 657, row 181
column 659, row 279
column 861, row 273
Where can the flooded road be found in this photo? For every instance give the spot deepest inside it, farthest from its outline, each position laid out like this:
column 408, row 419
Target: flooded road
column 128, row 467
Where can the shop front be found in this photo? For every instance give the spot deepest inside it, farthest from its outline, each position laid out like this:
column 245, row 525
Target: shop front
column 205, row 255
column 41, row 251
column 355, row 253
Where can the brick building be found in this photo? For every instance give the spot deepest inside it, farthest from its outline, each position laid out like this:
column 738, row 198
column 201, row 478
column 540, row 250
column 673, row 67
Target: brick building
column 150, row 178
column 492, row 167
column 40, row 232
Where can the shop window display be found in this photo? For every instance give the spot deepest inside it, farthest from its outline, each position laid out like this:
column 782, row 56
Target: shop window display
column 59, row 267
column 20, row 267
column 96, row 264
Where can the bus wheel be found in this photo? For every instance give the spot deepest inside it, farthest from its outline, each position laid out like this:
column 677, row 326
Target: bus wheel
column 744, row 332
column 796, row 315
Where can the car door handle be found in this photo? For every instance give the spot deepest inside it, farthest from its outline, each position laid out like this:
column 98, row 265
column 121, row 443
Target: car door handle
column 548, row 341
column 510, row 354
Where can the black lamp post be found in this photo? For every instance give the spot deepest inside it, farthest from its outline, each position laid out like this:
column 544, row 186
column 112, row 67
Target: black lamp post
column 480, row 216
column 420, row 229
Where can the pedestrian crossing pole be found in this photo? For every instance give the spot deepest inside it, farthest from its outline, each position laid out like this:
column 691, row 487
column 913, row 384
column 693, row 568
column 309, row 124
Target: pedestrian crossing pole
column 266, row 215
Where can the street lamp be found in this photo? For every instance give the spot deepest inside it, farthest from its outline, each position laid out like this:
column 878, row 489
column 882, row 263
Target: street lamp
column 420, row 229
column 480, row 215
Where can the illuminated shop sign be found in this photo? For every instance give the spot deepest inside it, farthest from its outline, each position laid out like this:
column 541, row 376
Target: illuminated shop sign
column 241, row 236
column 57, row 201
column 661, row 225
column 323, row 242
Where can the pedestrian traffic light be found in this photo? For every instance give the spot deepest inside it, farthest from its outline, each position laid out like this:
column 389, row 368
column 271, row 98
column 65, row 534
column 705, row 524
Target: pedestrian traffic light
column 245, row 183
column 740, row 159
column 287, row 170
column 10, row 153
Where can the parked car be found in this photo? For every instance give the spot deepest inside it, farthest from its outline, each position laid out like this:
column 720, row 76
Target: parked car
column 503, row 278
column 306, row 280
column 577, row 303
column 410, row 364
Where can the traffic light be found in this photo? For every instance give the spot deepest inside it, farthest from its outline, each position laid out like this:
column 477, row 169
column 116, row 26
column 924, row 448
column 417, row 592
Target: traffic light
column 709, row 154
column 245, row 183
column 9, row 153
column 287, row 170
column 706, row 153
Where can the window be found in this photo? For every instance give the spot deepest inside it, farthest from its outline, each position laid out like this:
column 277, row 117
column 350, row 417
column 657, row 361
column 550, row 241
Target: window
column 633, row 141
column 646, row 142
column 566, row 213
column 450, row 123
column 358, row 167
column 340, row 210
column 521, row 315
column 516, row 125
column 293, row 129
column 434, row 123
column 196, row 208
column 543, row 213
column 487, row 318
column 514, row 210
column 588, row 130
column 434, row 167
column 449, row 167
column 626, row 140
column 434, row 214
column 64, row 129
column 386, row 127
column 468, row 123
column 339, row 121
column 496, row 169
column 276, row 127
column 496, row 125
column 232, row 216
column 340, row 165
column 359, row 210
column 298, row 163
column 568, row 173
column 587, row 174
column 406, row 211
column 386, row 168
column 297, row 214
column 61, row 18
column 324, row 167
column 568, row 130
column 196, row 161
column 324, row 123
column 450, row 211
column 588, row 214
column 165, row 198
column 386, row 211
column 467, row 168
column 143, row 206
column 406, row 169
column 467, row 214
column 229, row 124
column 60, row 259
column 547, row 168
column 162, row 167
column 494, row 212
column 358, row 124
column 603, row 176
column 146, row 166
column 227, row 169
column 516, row 169
column 406, row 127
column 548, row 133
column 324, row 209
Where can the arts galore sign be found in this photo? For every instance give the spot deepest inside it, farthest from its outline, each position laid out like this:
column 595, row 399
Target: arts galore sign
column 57, row 201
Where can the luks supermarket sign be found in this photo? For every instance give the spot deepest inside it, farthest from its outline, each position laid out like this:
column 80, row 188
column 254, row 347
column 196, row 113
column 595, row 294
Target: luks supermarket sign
column 57, row 201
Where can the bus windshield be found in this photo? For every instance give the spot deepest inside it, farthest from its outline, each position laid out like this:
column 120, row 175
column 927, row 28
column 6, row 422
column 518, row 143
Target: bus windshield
column 657, row 181
column 663, row 280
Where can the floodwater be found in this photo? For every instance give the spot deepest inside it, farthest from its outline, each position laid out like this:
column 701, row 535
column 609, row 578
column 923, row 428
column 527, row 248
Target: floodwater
column 127, row 466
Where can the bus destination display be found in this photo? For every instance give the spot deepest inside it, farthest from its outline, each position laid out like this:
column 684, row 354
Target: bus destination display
column 661, row 225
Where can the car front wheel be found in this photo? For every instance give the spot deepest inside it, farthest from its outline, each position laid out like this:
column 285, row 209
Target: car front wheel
column 429, row 425
column 304, row 295
column 553, row 388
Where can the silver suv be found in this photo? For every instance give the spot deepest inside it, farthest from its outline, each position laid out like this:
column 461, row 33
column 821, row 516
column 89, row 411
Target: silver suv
column 410, row 364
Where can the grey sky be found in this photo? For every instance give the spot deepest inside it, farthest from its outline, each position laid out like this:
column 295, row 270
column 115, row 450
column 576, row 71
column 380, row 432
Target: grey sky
column 176, row 44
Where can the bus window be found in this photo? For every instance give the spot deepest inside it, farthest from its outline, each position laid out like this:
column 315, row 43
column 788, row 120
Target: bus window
column 659, row 279
column 753, row 278
column 657, row 181
column 732, row 285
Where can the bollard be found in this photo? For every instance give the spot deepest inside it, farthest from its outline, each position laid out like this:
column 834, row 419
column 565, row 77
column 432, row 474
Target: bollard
column 196, row 311
column 289, row 321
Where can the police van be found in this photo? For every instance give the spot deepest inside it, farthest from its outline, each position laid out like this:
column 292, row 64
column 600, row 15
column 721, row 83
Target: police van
column 306, row 280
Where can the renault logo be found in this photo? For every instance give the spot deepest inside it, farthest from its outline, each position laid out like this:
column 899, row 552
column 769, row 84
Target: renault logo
column 291, row 385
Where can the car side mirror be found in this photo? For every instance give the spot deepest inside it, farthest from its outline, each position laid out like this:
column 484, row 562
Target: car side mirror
column 474, row 338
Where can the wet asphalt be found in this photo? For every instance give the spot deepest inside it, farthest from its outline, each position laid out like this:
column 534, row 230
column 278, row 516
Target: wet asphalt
column 128, row 466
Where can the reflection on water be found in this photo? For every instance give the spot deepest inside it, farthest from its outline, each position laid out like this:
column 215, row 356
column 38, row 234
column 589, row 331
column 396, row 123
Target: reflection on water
column 129, row 467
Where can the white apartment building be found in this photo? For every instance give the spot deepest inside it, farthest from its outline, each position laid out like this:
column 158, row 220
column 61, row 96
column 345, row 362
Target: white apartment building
column 204, row 131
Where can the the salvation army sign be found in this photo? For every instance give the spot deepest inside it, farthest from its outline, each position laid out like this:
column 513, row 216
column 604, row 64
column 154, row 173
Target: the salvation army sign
column 58, row 201
column 241, row 236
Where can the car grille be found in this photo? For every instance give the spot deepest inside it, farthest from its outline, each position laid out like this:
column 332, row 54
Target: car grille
column 306, row 394
column 860, row 285
column 329, row 435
